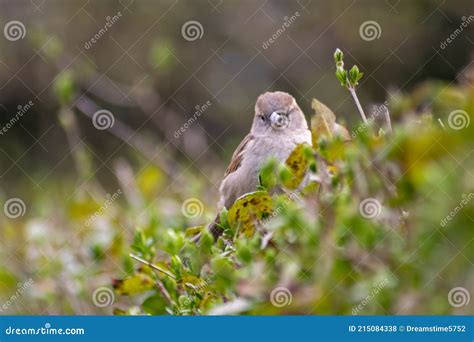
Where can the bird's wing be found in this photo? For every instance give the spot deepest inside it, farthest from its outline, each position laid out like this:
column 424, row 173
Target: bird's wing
column 238, row 155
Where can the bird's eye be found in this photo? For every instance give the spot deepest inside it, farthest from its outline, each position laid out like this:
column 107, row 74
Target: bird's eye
column 262, row 118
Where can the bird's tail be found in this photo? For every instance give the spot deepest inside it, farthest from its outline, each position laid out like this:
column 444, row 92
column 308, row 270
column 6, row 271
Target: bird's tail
column 214, row 227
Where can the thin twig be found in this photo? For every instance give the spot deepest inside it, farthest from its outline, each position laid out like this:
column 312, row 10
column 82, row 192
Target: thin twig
column 356, row 100
column 441, row 123
column 387, row 118
column 155, row 267
column 164, row 291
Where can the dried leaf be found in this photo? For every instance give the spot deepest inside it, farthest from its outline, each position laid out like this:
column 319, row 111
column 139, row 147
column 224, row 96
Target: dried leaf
column 248, row 208
column 342, row 132
column 324, row 123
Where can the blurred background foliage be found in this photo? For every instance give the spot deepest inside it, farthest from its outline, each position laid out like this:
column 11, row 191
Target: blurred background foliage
column 138, row 173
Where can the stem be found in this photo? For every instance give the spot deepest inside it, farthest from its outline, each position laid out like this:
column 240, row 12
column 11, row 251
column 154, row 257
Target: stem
column 155, row 267
column 387, row 118
column 356, row 100
column 441, row 123
column 164, row 292
column 159, row 269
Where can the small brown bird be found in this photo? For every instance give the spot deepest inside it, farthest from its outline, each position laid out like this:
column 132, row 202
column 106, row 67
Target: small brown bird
column 278, row 127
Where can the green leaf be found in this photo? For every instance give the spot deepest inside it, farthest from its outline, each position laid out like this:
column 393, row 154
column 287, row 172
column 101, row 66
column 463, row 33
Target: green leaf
column 160, row 56
column 224, row 273
column 244, row 252
column 341, row 75
column 267, row 174
column 143, row 245
column 64, row 87
column 172, row 241
column 206, row 242
column 176, row 265
column 355, row 75
column 155, row 305
column 284, row 174
column 338, row 55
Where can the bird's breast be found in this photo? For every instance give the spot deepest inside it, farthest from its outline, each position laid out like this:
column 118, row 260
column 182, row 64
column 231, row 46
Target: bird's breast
column 280, row 148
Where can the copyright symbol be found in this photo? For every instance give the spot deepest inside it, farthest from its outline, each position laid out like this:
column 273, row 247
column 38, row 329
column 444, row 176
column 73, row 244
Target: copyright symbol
column 401, row 328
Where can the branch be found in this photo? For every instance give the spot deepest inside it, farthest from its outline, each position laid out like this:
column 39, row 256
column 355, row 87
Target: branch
column 155, row 267
column 356, row 100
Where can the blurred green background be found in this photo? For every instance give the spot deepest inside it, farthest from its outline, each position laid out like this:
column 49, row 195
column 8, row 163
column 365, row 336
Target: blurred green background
column 153, row 81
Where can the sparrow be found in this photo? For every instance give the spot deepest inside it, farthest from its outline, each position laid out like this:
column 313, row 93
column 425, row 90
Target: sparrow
column 279, row 125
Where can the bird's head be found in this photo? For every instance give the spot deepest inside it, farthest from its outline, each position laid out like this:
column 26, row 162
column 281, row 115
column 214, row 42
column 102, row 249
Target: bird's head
column 277, row 111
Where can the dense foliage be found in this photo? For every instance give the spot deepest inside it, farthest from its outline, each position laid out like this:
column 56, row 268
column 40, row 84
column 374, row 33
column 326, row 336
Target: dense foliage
column 383, row 227
column 366, row 236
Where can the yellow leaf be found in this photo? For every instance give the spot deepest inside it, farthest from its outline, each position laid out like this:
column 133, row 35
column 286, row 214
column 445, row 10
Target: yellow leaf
column 82, row 207
column 193, row 231
column 135, row 284
column 298, row 164
column 247, row 209
column 150, row 181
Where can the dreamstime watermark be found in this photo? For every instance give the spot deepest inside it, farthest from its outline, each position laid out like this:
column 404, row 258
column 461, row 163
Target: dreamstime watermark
column 375, row 290
column 464, row 24
column 14, row 30
column 103, row 119
column 22, row 287
column 103, row 297
column 47, row 329
column 14, row 208
column 110, row 199
column 458, row 119
column 192, row 208
column 370, row 208
column 199, row 110
column 187, row 301
column 459, row 297
column 109, row 22
column 21, row 110
column 288, row 21
column 281, row 296
column 192, row 30
column 293, row 196
column 370, row 30
column 464, row 201
column 381, row 109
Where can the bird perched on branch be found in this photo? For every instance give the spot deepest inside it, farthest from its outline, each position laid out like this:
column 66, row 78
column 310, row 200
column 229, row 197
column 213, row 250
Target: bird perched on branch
column 279, row 125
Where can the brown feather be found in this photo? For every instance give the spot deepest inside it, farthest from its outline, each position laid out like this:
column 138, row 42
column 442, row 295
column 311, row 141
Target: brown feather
column 238, row 155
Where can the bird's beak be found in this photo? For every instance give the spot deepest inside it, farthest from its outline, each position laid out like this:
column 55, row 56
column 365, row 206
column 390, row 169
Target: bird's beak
column 275, row 118
column 278, row 119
